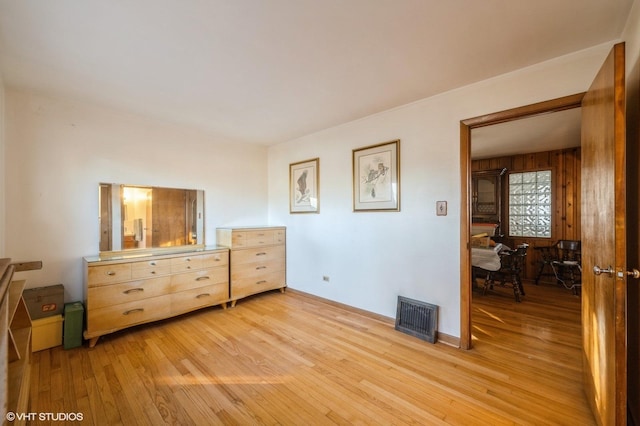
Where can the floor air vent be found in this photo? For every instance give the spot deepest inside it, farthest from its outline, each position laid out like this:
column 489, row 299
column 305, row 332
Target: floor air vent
column 417, row 319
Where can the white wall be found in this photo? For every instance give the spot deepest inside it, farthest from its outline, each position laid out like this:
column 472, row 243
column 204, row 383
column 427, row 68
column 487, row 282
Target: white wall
column 58, row 151
column 371, row 258
column 631, row 36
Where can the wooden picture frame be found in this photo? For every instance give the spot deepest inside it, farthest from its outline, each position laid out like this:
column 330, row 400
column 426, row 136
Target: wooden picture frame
column 304, row 186
column 376, row 177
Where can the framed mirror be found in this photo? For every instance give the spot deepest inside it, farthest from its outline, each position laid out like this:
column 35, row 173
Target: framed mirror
column 149, row 218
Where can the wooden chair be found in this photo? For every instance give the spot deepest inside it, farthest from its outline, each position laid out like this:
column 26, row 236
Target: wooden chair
column 512, row 264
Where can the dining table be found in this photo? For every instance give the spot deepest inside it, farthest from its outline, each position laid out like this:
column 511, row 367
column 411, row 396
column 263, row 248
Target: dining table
column 487, row 258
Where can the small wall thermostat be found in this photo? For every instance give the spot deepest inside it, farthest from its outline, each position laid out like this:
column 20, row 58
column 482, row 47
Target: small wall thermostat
column 441, row 208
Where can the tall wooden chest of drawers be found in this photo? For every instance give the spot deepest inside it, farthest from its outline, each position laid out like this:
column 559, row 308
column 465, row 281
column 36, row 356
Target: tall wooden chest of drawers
column 128, row 291
column 258, row 259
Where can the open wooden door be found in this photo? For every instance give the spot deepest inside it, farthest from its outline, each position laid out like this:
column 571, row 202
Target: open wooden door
column 169, row 207
column 604, row 274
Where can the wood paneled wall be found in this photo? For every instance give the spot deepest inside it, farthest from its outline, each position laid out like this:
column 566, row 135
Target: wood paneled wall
column 565, row 221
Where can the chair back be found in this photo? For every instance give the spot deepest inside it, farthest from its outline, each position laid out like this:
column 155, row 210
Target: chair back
column 520, row 254
column 513, row 260
column 568, row 250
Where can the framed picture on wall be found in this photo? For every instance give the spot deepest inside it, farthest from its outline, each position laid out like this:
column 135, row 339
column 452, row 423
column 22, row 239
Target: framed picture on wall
column 376, row 177
column 304, row 186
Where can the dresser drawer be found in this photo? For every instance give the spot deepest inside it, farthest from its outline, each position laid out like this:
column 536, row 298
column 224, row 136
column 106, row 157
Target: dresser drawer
column 239, row 239
column 250, row 237
column 279, row 236
column 150, row 268
column 130, row 291
column 108, row 274
column 201, row 278
column 256, row 269
column 215, row 259
column 263, row 237
column 251, row 285
column 125, row 314
column 186, row 263
column 195, row 298
column 258, row 254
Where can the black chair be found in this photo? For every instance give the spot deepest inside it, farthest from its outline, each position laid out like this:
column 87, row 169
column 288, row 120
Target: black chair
column 561, row 251
column 567, row 267
column 548, row 254
column 512, row 263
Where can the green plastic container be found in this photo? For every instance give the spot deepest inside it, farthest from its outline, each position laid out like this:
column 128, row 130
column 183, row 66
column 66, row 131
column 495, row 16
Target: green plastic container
column 73, row 324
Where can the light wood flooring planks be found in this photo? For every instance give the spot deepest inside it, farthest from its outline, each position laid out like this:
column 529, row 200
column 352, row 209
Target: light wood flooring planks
column 295, row 359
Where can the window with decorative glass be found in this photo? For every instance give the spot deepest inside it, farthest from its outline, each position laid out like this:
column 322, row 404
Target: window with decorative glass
column 530, row 204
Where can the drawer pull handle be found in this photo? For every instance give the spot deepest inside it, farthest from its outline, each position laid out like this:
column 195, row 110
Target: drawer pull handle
column 152, row 263
column 188, row 259
column 189, row 267
column 261, row 282
column 133, row 311
column 261, row 254
column 111, row 273
column 153, row 272
column 206, row 277
column 200, row 296
column 261, row 267
column 134, row 290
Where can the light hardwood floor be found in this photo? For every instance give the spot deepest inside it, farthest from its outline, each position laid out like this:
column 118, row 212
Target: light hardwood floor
column 294, row 359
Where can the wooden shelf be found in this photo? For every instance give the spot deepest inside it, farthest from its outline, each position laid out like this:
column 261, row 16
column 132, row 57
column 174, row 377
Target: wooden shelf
column 19, row 323
column 18, row 381
column 16, row 342
column 15, row 296
column 20, row 343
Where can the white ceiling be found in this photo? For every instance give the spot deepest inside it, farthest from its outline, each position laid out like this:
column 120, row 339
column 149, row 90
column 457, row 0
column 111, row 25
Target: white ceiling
column 267, row 71
column 545, row 132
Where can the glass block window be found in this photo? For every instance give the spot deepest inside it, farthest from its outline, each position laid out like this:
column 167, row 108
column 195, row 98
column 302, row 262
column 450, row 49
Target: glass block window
column 530, row 204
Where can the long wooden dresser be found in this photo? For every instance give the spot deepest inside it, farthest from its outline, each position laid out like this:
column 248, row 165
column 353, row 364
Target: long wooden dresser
column 258, row 259
column 122, row 292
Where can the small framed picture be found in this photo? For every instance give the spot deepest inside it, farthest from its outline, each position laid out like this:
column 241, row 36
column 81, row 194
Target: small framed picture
column 376, row 177
column 304, row 186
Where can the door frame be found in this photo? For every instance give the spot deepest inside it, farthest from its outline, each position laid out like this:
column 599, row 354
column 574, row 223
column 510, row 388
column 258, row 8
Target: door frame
column 545, row 107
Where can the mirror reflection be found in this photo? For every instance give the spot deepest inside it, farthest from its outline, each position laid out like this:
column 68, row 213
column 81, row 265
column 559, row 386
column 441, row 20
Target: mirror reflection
column 134, row 217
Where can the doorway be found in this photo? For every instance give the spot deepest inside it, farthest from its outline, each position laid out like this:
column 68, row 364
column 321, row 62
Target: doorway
column 466, row 127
